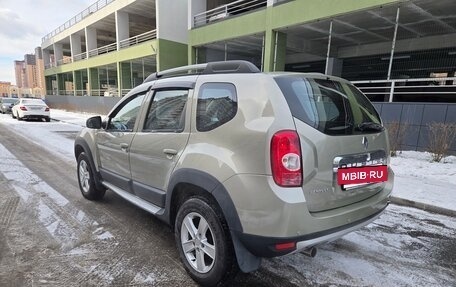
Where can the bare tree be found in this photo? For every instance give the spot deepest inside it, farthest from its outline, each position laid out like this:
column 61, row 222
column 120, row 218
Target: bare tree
column 396, row 133
column 441, row 138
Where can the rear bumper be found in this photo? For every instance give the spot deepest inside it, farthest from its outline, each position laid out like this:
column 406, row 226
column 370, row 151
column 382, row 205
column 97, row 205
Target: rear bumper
column 34, row 115
column 274, row 216
column 265, row 246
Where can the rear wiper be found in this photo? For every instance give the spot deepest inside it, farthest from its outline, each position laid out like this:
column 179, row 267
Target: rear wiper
column 370, row 126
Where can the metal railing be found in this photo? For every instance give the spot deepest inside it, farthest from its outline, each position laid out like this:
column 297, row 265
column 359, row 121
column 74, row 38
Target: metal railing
column 124, row 92
column 97, row 93
column 108, row 48
column 78, row 18
column 64, row 61
column 227, row 10
column 388, row 89
column 103, row 50
column 80, row 93
column 79, row 57
column 144, row 37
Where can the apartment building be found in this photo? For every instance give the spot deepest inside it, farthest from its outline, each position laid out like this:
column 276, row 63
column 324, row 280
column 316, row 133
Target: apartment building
column 394, row 50
column 29, row 75
column 19, row 73
column 5, row 89
column 114, row 45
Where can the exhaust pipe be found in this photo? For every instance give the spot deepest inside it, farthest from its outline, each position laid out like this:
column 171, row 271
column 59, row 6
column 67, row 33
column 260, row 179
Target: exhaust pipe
column 311, row 252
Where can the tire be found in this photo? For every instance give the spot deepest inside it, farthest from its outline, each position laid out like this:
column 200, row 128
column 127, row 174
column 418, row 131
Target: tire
column 18, row 118
column 86, row 179
column 48, row 119
column 12, row 115
column 208, row 255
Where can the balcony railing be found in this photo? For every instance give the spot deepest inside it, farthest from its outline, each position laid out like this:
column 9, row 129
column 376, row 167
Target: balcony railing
column 103, row 50
column 79, row 57
column 78, row 18
column 150, row 35
column 222, row 12
column 64, row 61
column 387, row 90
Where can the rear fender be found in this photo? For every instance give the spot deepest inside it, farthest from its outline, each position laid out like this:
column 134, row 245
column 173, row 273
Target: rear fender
column 246, row 260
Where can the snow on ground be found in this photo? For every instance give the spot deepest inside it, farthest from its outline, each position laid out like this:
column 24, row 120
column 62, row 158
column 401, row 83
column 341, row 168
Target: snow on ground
column 420, row 180
column 384, row 253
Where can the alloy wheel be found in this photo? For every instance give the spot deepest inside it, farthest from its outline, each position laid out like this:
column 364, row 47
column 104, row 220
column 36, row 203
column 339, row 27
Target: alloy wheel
column 198, row 242
column 84, row 176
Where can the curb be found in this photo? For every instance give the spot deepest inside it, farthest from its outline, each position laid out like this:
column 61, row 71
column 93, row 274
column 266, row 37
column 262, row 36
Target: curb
column 423, row 206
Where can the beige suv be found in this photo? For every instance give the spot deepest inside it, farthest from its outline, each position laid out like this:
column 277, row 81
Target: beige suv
column 242, row 164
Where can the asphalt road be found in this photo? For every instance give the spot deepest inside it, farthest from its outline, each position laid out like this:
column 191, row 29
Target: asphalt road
column 51, row 236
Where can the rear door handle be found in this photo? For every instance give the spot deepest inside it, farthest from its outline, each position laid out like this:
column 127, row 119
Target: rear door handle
column 169, row 151
column 124, row 147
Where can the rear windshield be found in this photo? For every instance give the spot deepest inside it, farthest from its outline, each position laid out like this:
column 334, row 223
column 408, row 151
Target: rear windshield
column 332, row 107
column 33, row 102
column 9, row 101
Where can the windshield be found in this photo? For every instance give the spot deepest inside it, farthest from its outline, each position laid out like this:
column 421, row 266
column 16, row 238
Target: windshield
column 332, row 107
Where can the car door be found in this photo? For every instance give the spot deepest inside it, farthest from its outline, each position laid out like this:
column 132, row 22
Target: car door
column 113, row 143
column 159, row 143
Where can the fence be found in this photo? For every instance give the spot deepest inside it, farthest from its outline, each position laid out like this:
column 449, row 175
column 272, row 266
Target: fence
column 417, row 116
column 92, row 104
column 410, row 90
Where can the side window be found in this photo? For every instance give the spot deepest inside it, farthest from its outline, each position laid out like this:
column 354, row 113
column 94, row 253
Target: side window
column 217, row 104
column 125, row 118
column 167, row 111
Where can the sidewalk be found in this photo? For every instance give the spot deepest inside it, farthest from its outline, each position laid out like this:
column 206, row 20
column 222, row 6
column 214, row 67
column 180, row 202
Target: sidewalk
column 418, row 182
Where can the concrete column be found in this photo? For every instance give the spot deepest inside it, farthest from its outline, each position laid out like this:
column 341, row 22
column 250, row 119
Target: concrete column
column 335, row 67
column 125, row 74
column 58, row 53
column 91, row 39
column 270, row 2
column 168, row 26
column 195, row 7
column 119, row 79
column 48, row 85
column 77, row 82
column 94, row 83
column 60, row 84
column 122, row 27
column 274, row 51
column 75, row 45
column 46, row 58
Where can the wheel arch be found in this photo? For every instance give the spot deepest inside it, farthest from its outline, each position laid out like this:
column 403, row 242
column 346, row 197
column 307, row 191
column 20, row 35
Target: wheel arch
column 80, row 146
column 186, row 183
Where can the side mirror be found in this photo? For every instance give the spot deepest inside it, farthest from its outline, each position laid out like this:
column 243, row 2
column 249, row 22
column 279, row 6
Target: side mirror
column 94, row 122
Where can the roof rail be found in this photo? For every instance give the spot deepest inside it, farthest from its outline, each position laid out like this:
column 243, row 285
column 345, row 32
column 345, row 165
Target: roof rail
column 222, row 67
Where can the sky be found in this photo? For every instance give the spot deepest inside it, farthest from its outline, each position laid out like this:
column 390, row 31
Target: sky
column 23, row 23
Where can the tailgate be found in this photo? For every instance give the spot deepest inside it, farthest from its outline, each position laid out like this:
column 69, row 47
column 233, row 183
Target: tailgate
column 327, row 159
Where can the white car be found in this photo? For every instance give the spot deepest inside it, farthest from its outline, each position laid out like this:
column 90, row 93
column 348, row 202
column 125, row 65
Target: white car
column 26, row 108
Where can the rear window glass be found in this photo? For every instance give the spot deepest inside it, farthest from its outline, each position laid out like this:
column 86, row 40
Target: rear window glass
column 332, row 107
column 33, row 102
column 9, row 101
column 217, row 105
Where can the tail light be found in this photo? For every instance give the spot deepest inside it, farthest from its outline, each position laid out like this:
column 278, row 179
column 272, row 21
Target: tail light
column 286, row 159
column 23, row 108
column 47, row 109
